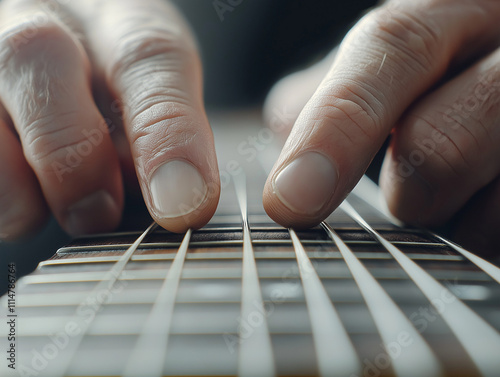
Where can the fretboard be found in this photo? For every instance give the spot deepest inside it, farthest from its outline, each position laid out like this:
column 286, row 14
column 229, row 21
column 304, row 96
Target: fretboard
column 356, row 296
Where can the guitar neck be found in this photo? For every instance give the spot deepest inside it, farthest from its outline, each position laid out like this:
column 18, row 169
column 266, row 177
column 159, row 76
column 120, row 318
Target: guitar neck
column 356, row 296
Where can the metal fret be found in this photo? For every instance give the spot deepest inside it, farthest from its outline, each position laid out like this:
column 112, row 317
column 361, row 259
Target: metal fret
column 255, row 350
column 480, row 339
column 225, row 243
column 417, row 359
column 151, row 245
column 75, row 260
column 334, row 350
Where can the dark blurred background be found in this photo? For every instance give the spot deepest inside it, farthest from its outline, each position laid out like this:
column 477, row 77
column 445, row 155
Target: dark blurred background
column 246, row 45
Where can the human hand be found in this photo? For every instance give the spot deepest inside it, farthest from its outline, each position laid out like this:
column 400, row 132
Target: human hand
column 426, row 71
column 72, row 75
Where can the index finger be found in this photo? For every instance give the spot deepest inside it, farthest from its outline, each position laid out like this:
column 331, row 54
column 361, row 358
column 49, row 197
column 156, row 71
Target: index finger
column 390, row 58
column 149, row 60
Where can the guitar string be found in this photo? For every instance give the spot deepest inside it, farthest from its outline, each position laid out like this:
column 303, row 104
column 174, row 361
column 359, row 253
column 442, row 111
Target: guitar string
column 444, row 240
column 97, row 297
column 333, row 357
column 89, row 276
column 478, row 338
column 148, row 355
column 371, row 199
column 251, row 241
column 432, row 292
column 490, row 269
column 255, row 351
column 335, row 352
column 112, row 259
column 416, row 359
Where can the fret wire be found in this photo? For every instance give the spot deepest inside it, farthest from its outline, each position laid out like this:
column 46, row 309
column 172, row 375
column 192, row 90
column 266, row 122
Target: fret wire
column 480, row 340
column 106, row 285
column 150, row 349
column 271, row 242
column 334, row 350
column 231, row 255
column 489, row 268
column 418, row 359
column 151, row 245
column 49, row 278
column 111, row 235
column 255, row 351
column 76, row 260
column 209, row 230
column 159, row 231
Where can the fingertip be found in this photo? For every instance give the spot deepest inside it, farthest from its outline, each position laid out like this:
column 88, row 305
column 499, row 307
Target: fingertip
column 88, row 197
column 23, row 210
column 181, row 197
column 282, row 215
column 300, row 193
column 195, row 219
column 95, row 213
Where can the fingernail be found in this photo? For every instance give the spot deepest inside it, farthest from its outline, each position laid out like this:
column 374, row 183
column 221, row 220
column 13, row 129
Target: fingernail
column 95, row 213
column 177, row 188
column 306, row 185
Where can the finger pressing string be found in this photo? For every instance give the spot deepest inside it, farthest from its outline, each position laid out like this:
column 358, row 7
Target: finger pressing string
column 149, row 60
column 390, row 58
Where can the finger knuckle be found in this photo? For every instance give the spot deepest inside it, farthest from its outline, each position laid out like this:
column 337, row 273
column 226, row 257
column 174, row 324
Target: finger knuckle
column 47, row 142
column 446, row 154
column 353, row 103
column 413, row 35
column 160, row 131
column 28, row 37
column 154, row 92
column 161, row 127
column 481, row 97
column 136, row 49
